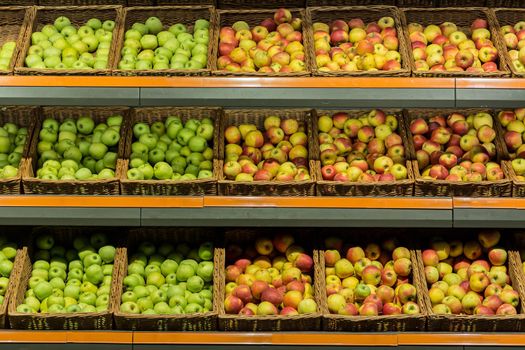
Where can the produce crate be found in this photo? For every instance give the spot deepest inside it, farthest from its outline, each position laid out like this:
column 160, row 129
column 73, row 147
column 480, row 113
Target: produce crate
column 460, row 3
column 380, row 323
column 14, row 278
column 78, row 16
column 32, row 185
column 423, row 187
column 367, row 14
column 60, row 321
column 170, row 187
column 259, row 323
column 504, row 17
column 169, row 15
column 334, row 188
column 20, row 2
column 475, row 323
column 23, row 117
column 141, row 2
column 14, row 21
column 254, row 17
column 462, row 17
column 264, row 188
column 187, row 322
column 252, row 4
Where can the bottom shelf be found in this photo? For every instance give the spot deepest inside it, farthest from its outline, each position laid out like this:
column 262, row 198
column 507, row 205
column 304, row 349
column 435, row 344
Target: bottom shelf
column 13, row 340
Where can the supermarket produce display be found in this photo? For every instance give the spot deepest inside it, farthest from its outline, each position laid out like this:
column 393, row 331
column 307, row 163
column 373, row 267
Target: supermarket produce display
column 247, row 210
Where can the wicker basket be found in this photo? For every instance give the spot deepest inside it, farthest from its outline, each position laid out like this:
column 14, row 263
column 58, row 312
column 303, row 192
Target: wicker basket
column 78, row 16
column 505, row 3
column 170, row 187
column 314, row 3
column 80, row 2
column 423, row 187
column 13, row 234
column 280, row 323
column 462, row 16
column 187, row 322
column 20, row 2
column 14, row 21
column 381, row 323
column 254, row 18
column 367, row 14
column 475, row 323
column 508, row 17
column 24, row 117
column 185, row 2
column 416, row 3
column 460, row 3
column 60, row 321
column 252, row 4
column 141, row 2
column 169, row 15
column 264, row 188
column 33, row 185
column 333, row 188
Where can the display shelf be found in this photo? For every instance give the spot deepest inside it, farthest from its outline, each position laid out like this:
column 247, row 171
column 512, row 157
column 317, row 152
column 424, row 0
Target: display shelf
column 492, row 93
column 222, row 340
column 489, row 212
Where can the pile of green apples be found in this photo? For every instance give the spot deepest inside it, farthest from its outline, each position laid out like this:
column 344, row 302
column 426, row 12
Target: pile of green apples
column 67, row 279
column 7, row 258
column 172, row 150
column 63, row 46
column 169, row 280
column 149, row 46
column 12, row 141
column 78, row 149
column 6, row 54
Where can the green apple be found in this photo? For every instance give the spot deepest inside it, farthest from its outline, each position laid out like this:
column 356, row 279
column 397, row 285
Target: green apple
column 164, row 36
column 36, row 50
column 163, row 171
column 32, row 61
column 154, row 25
column 38, row 37
column 205, row 270
column 85, row 125
column 143, row 65
column 94, row 23
column 88, row 298
column 158, row 296
column 108, row 25
column 24, row 308
column 156, row 279
column 97, row 150
column 107, row 253
column 73, row 153
column 149, row 41
column 178, row 28
column 140, row 129
column 43, row 290
column 141, row 28
column 44, row 241
column 73, row 39
column 184, row 272
column 151, row 268
column 155, row 156
column 68, row 31
column 163, row 51
column 197, row 144
column 195, row 284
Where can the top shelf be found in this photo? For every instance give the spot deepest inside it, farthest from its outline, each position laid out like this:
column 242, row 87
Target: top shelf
column 253, row 92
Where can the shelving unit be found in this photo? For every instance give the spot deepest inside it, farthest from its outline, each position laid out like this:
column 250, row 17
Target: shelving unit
column 219, row 211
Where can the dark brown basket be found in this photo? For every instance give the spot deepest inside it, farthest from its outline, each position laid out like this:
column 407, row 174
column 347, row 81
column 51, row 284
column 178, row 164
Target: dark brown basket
column 462, row 16
column 20, row 2
column 505, row 3
column 313, row 3
column 187, row 322
column 80, row 2
column 185, row 2
column 33, row 185
column 14, row 21
column 508, row 17
column 169, row 187
column 14, row 278
column 334, row 188
column 381, row 323
column 367, row 14
column 264, row 188
column 24, row 117
column 416, row 3
column 476, row 323
column 141, row 2
column 518, row 187
column 169, row 15
column 253, row 18
column 304, row 322
column 423, row 187
column 460, row 3
column 78, row 16
column 59, row 321
column 520, row 274
column 252, row 4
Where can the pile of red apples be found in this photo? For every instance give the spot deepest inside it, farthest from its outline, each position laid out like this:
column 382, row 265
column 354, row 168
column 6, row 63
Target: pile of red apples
column 514, row 37
column 369, row 282
column 446, row 47
column 470, row 277
column 361, row 149
column 279, row 153
column 514, row 136
column 276, row 45
column 273, row 277
column 456, row 147
column 355, row 46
